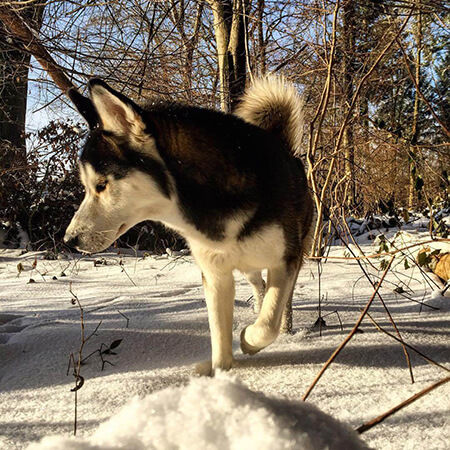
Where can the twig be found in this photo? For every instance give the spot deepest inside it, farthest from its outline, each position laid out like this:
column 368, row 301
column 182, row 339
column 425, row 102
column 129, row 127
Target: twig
column 102, row 352
column 350, row 335
column 320, row 199
column 88, row 356
column 79, row 380
column 338, row 316
column 416, row 85
column 121, row 264
column 378, row 255
column 355, row 243
column 421, row 303
column 368, row 425
column 288, row 60
column 400, row 338
column 123, row 315
column 77, row 364
column 319, row 273
column 174, row 261
column 391, row 319
column 446, row 289
column 314, row 134
column 408, row 256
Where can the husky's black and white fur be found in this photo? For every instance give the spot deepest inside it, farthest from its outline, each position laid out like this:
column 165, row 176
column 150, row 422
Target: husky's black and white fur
column 231, row 185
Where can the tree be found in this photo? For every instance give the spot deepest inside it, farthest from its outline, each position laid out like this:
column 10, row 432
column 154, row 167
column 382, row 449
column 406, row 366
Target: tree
column 230, row 28
column 349, row 75
column 354, row 61
column 14, row 65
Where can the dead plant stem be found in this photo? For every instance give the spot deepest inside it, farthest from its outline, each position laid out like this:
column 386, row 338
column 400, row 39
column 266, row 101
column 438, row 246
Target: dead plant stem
column 349, row 336
column 368, row 425
column 394, row 325
column 382, row 330
column 378, row 255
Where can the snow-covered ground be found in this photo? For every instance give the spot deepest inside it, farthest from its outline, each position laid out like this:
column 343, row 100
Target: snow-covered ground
column 258, row 404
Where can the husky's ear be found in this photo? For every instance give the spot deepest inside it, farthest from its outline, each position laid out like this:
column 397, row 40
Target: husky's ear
column 118, row 114
column 85, row 107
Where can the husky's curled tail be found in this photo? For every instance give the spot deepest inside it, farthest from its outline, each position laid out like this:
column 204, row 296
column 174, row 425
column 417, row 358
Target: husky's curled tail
column 274, row 105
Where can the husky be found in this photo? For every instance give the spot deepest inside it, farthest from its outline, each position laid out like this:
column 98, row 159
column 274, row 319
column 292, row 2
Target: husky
column 231, row 184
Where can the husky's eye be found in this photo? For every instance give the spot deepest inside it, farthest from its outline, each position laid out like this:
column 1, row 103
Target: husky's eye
column 101, row 186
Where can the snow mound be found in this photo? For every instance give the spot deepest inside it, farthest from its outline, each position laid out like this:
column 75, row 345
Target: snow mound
column 439, row 299
column 219, row 413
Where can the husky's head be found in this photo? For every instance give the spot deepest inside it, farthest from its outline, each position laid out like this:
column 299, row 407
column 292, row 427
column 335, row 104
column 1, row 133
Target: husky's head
column 124, row 177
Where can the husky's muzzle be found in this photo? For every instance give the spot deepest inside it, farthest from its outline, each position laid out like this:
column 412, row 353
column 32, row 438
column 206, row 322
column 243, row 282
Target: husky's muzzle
column 71, row 241
column 92, row 240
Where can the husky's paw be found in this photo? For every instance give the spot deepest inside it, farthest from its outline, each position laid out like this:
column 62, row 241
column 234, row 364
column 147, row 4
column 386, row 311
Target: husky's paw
column 206, row 369
column 246, row 347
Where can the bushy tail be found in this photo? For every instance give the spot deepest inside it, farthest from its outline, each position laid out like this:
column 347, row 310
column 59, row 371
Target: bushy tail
column 275, row 105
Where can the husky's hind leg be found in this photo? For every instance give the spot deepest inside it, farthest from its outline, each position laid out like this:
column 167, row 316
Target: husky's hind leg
column 219, row 294
column 280, row 285
column 258, row 288
column 286, row 319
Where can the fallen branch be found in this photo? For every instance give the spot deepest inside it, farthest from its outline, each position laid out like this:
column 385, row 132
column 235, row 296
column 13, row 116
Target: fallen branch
column 368, row 425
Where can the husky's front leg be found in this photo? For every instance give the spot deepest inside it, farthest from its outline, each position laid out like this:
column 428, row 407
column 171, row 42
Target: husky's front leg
column 280, row 284
column 219, row 293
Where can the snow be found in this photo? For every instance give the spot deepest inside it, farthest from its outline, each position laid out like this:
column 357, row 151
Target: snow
column 440, row 299
column 151, row 393
column 218, row 413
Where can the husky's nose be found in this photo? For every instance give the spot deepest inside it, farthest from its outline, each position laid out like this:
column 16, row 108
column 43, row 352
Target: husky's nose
column 71, row 241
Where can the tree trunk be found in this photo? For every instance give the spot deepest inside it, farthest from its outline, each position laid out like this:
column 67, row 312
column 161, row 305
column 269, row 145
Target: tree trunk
column 24, row 36
column 189, row 43
column 348, row 37
column 13, row 101
column 14, row 65
column 415, row 125
column 230, row 40
column 261, row 40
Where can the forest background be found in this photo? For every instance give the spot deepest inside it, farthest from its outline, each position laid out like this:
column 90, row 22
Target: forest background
column 375, row 77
